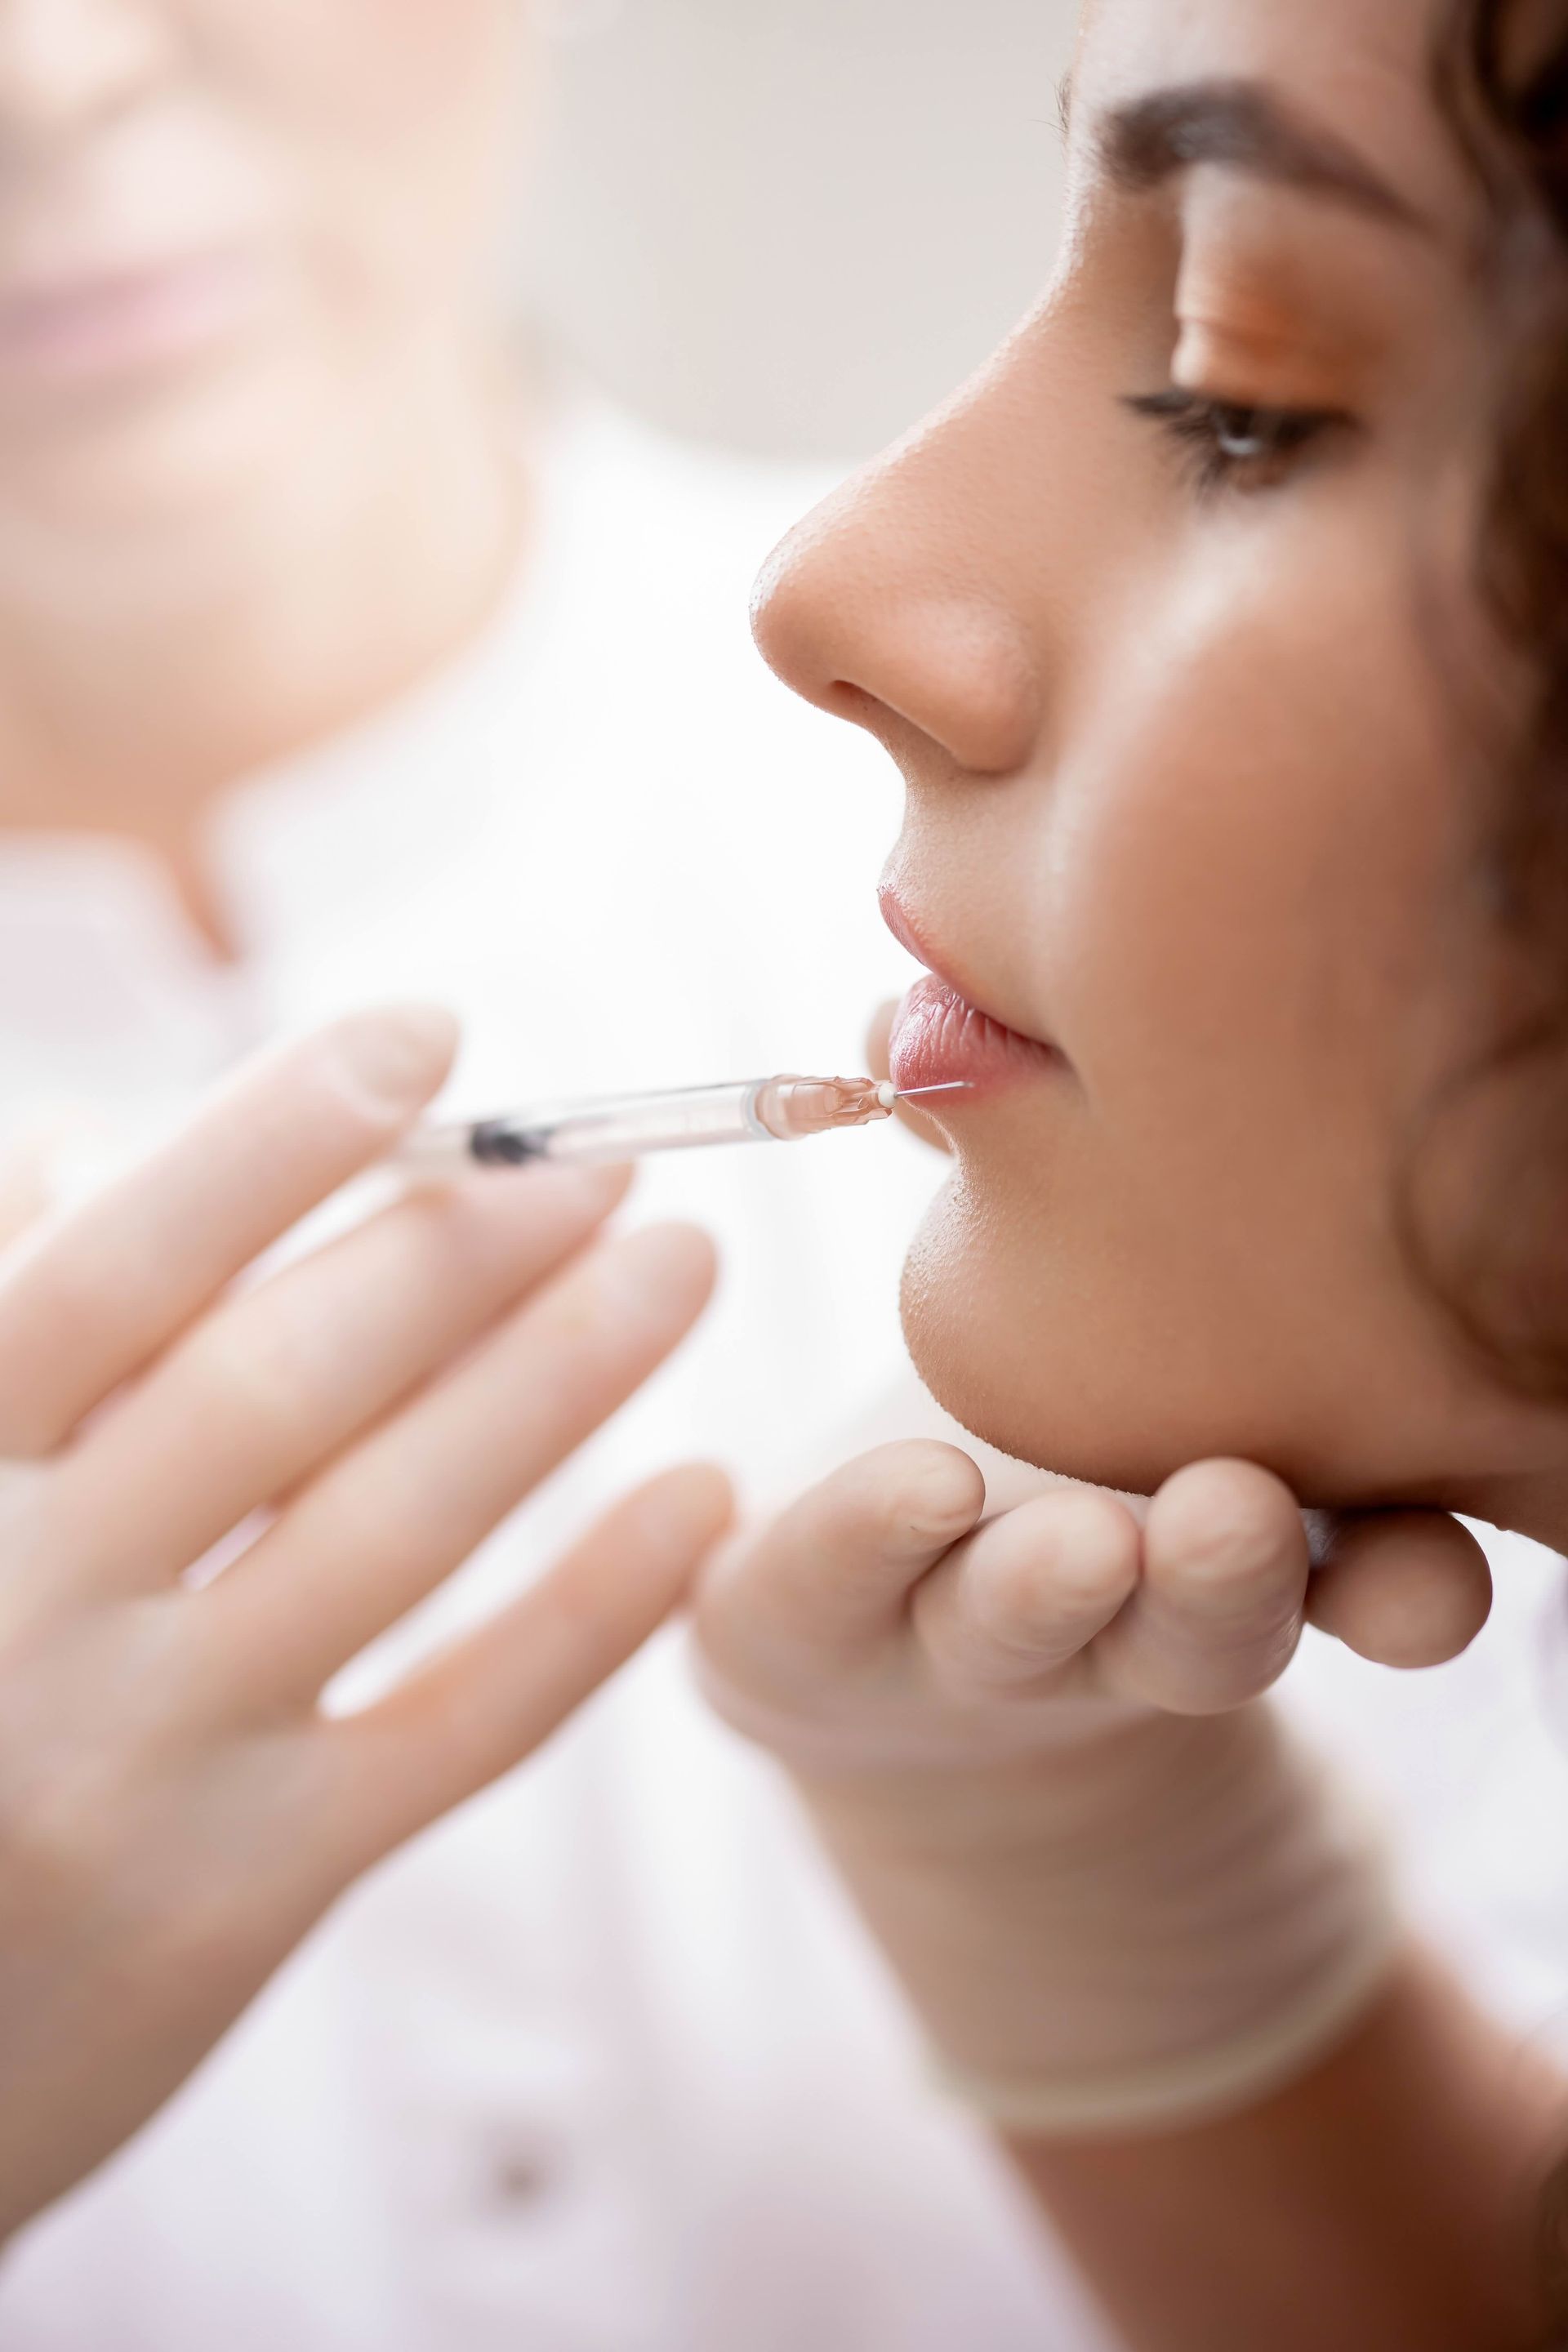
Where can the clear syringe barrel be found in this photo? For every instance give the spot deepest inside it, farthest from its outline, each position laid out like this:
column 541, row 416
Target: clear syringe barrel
column 758, row 1110
column 624, row 1127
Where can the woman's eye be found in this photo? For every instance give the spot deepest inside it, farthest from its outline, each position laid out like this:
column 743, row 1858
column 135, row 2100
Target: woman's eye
column 1247, row 447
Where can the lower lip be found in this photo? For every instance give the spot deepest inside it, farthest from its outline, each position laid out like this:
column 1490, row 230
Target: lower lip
column 941, row 1040
column 116, row 326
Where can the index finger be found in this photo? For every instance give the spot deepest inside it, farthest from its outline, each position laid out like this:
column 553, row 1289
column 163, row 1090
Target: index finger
column 1217, row 1616
column 115, row 1279
column 836, row 1569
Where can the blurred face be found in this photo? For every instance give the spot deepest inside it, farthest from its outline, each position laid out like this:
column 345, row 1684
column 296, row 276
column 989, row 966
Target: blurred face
column 1166, row 621
column 222, row 222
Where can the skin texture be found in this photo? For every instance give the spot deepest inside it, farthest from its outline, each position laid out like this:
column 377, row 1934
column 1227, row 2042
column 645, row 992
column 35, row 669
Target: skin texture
column 1198, row 792
column 175, row 1808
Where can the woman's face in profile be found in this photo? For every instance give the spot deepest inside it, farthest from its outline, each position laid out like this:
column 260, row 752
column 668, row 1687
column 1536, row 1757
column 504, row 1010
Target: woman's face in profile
column 221, row 219
column 1166, row 620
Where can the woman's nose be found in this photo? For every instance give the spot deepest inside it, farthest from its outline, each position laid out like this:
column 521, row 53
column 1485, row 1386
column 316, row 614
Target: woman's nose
column 67, row 65
column 879, row 608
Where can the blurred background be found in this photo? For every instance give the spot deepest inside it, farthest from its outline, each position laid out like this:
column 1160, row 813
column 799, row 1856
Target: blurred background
column 890, row 178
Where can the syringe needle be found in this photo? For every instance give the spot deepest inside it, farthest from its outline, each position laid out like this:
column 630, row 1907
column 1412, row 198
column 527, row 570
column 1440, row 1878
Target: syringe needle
column 954, row 1086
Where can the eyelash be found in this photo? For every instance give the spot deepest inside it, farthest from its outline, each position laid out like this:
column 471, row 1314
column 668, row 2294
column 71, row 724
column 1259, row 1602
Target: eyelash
column 1230, row 444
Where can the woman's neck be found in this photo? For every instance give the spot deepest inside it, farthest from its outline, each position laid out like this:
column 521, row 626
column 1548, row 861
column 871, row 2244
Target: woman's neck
column 175, row 664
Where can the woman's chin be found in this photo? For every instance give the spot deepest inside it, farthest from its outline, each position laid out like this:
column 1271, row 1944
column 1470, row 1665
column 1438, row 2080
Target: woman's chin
column 1067, row 1357
column 1011, row 1345
column 972, row 1323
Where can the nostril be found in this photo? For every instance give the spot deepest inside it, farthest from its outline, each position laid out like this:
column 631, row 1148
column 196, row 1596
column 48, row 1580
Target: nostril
column 858, row 611
column 957, row 670
column 990, row 677
column 853, row 703
column 961, row 670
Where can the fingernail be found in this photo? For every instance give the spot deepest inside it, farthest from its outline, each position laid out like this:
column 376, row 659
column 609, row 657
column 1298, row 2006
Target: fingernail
column 397, row 1055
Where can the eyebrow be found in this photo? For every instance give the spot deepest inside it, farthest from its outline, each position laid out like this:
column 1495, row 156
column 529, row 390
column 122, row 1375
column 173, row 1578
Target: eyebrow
column 1241, row 126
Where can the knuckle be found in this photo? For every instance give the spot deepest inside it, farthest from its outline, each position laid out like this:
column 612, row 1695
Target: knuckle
column 1080, row 1564
column 89, row 1308
column 1226, row 1663
column 1092, row 1544
column 1207, row 1676
column 62, row 1808
column 79, row 1293
column 977, row 1633
column 1014, row 1604
column 1233, row 1683
column 261, row 1378
column 46, row 1860
column 116, row 1808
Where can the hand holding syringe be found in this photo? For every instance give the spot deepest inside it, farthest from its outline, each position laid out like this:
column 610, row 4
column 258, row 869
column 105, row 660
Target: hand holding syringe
column 627, row 1126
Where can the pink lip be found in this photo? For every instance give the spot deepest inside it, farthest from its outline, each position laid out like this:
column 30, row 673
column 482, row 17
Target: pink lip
column 76, row 329
column 941, row 1039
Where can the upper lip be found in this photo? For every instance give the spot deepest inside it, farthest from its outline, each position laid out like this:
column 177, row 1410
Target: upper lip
column 912, row 937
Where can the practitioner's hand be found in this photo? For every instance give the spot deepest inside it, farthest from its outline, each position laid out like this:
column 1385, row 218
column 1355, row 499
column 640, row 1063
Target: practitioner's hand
column 175, row 1809
column 877, row 1626
column 1114, row 1890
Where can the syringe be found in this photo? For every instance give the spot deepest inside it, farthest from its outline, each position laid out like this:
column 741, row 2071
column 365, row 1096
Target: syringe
column 625, row 1127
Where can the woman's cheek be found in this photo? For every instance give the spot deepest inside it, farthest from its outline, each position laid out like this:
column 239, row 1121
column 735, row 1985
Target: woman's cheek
column 1104, row 1286
column 1251, row 823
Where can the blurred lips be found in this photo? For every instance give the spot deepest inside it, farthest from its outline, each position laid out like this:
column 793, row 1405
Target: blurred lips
column 116, row 321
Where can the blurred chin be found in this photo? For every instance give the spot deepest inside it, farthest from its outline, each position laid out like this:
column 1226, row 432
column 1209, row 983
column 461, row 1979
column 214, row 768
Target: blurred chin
column 161, row 453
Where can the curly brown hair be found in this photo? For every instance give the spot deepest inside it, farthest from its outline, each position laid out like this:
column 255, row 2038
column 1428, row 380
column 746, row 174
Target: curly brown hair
column 1496, row 1249
column 1504, row 79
